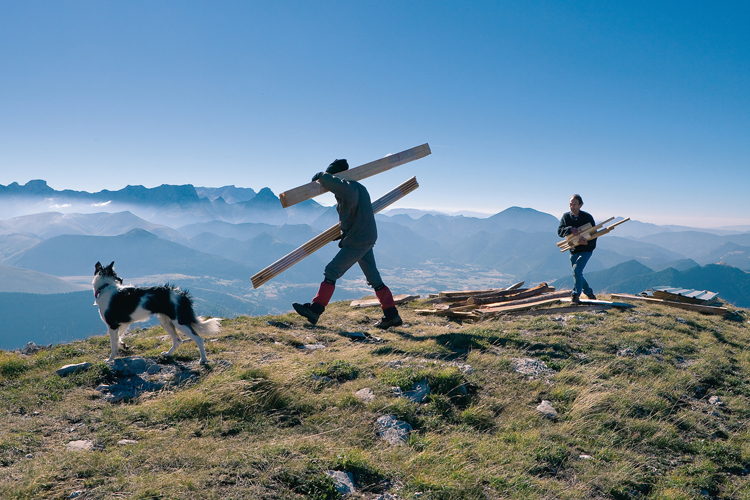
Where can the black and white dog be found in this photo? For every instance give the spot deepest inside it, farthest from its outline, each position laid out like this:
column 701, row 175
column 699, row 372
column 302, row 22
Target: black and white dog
column 119, row 306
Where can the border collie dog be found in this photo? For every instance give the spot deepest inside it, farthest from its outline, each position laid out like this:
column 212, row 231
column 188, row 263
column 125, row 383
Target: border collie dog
column 119, row 306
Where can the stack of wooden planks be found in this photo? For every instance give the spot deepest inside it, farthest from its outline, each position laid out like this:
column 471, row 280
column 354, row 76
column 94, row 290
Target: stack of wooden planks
column 588, row 233
column 683, row 298
column 687, row 295
column 479, row 304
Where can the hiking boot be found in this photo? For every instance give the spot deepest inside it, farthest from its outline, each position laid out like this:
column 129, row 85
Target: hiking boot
column 390, row 318
column 575, row 299
column 309, row 310
column 590, row 296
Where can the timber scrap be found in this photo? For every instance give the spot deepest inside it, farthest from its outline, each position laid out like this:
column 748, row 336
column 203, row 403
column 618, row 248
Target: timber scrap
column 701, row 301
column 483, row 304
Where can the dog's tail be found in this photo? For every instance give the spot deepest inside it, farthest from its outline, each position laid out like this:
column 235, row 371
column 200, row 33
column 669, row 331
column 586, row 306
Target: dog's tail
column 205, row 327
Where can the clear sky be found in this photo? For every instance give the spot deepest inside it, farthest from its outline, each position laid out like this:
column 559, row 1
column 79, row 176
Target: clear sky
column 642, row 107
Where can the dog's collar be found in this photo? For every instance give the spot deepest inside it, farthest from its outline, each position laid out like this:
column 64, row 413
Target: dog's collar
column 99, row 290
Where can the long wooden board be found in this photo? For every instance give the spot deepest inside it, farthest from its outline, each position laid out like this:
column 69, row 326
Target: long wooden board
column 517, row 307
column 373, row 302
column 619, row 305
column 531, row 300
column 561, row 310
column 680, row 305
column 532, row 292
column 313, row 189
column 327, row 236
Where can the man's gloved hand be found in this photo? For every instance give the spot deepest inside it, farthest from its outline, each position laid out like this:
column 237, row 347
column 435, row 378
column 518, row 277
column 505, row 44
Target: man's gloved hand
column 317, row 176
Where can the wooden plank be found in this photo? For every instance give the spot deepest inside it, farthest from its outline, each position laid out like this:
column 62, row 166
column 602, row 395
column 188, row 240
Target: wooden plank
column 680, row 305
column 658, row 294
column 593, row 236
column 561, row 310
column 546, row 296
column 327, row 236
column 313, row 189
column 467, row 293
column 569, row 239
column 463, row 295
column 620, row 305
column 373, row 302
column 517, row 307
column 512, row 295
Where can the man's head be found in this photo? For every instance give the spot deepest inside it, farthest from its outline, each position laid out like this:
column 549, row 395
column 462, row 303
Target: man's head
column 576, row 202
column 337, row 166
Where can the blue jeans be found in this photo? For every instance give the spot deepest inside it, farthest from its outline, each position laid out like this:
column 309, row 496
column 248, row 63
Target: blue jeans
column 347, row 257
column 578, row 261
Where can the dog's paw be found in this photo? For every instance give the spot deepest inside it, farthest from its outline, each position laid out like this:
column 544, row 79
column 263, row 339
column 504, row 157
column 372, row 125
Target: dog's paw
column 166, row 354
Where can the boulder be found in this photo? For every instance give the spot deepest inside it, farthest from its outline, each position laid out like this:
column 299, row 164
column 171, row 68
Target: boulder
column 547, row 410
column 80, row 445
column 365, row 395
column 393, row 430
column 343, row 481
column 68, row 369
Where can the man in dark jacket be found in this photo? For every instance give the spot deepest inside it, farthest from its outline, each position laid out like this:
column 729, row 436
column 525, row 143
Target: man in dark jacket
column 359, row 233
column 580, row 254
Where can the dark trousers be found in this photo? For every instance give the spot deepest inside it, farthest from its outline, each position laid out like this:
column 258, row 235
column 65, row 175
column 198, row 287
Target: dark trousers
column 347, row 257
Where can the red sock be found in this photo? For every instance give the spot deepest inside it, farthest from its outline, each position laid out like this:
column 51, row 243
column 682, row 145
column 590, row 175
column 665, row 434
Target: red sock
column 385, row 297
column 324, row 293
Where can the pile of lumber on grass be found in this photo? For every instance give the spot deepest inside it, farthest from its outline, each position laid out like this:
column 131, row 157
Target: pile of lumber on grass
column 479, row 304
column 683, row 298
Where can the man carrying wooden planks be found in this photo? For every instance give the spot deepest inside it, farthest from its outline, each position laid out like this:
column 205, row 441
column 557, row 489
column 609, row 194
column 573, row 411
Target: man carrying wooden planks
column 358, row 236
column 581, row 253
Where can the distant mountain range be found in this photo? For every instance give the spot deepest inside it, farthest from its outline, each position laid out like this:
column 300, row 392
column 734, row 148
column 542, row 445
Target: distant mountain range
column 212, row 240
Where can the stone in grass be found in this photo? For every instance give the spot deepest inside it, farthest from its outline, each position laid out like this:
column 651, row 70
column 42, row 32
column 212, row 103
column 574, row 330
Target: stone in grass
column 124, row 367
column 125, row 442
column 343, row 481
column 393, row 430
column 529, row 366
column 387, row 496
column 68, row 369
column 75, row 494
column 714, row 400
column 366, row 395
column 547, row 410
column 80, row 445
column 312, row 347
column 419, row 392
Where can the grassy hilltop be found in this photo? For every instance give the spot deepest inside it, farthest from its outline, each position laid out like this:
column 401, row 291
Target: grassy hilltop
column 633, row 392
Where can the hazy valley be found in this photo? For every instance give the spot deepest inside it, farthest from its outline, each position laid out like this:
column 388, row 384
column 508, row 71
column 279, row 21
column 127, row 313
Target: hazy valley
column 212, row 240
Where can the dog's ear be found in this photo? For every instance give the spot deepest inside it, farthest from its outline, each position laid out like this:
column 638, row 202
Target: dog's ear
column 112, row 265
column 97, row 268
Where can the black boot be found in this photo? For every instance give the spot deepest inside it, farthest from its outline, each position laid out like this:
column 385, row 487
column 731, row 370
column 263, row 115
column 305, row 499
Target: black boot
column 310, row 310
column 390, row 318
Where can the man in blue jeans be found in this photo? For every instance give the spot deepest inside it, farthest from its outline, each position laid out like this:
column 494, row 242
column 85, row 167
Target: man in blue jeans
column 580, row 254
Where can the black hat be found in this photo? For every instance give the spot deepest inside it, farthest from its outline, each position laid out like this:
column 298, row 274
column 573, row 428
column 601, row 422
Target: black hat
column 337, row 166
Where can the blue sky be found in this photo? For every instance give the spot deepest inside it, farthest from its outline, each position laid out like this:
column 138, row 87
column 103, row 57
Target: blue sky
column 641, row 107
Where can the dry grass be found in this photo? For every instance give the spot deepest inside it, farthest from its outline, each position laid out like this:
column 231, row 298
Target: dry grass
column 267, row 418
